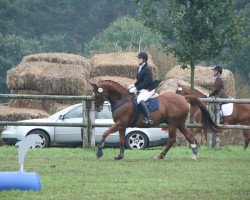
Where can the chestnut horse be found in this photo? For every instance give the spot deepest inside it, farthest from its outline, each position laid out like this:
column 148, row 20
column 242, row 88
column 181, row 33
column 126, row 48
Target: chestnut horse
column 240, row 115
column 185, row 90
column 173, row 110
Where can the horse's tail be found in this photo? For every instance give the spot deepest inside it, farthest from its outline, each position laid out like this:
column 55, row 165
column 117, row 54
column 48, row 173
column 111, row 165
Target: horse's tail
column 207, row 120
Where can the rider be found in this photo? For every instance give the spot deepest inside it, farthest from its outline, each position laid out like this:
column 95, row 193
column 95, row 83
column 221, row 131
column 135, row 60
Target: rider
column 144, row 85
column 219, row 86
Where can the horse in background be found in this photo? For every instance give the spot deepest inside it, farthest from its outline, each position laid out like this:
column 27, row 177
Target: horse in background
column 240, row 115
column 195, row 112
column 173, row 110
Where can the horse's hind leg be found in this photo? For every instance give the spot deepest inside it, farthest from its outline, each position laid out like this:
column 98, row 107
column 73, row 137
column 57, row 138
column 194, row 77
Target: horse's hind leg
column 246, row 134
column 188, row 135
column 171, row 141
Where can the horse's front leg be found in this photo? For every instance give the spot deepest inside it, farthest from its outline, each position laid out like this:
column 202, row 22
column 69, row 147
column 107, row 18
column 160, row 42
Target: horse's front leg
column 115, row 127
column 122, row 145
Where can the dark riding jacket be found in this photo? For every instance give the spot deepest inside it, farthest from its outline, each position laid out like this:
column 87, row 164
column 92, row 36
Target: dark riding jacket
column 144, row 79
column 219, row 88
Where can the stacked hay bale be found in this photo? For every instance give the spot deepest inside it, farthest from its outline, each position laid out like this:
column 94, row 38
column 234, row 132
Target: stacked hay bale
column 204, row 82
column 14, row 114
column 122, row 64
column 124, row 81
column 48, row 74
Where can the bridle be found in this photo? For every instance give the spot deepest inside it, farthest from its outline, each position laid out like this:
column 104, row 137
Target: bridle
column 179, row 90
column 99, row 102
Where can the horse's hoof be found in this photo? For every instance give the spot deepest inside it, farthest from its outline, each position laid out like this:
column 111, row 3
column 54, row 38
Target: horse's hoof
column 99, row 153
column 119, row 157
column 194, row 157
column 157, row 158
column 160, row 157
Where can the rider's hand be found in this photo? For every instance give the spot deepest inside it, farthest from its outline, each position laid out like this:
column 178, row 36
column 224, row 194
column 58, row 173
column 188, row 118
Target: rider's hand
column 133, row 90
column 131, row 86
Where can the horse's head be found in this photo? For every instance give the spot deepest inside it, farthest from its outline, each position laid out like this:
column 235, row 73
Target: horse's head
column 180, row 90
column 186, row 90
column 99, row 96
column 107, row 91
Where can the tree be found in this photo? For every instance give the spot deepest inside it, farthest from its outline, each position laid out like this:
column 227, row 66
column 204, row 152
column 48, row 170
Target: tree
column 124, row 34
column 76, row 18
column 240, row 63
column 12, row 49
column 195, row 30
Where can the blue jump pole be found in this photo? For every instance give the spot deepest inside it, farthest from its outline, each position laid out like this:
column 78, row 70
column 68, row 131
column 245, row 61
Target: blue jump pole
column 19, row 181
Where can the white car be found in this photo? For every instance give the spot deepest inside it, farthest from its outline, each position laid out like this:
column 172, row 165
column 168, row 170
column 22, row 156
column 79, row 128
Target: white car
column 136, row 138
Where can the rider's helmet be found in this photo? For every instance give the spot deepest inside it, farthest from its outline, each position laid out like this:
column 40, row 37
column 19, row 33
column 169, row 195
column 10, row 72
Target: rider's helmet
column 218, row 69
column 143, row 55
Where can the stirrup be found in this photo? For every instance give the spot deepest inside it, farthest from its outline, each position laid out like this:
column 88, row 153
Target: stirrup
column 148, row 121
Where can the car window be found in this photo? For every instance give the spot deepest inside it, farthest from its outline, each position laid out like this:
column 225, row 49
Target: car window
column 105, row 113
column 74, row 113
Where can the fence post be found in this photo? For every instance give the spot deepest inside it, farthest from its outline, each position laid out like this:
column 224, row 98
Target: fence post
column 88, row 117
column 212, row 138
column 84, row 131
column 91, row 118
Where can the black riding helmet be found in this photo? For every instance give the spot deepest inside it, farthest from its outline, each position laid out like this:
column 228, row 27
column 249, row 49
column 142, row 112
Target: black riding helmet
column 143, row 55
column 218, row 69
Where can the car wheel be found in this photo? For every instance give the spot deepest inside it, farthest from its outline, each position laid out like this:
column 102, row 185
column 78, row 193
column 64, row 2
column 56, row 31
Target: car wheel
column 136, row 140
column 44, row 136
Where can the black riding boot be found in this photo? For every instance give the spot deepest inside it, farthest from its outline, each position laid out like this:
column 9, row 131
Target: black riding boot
column 146, row 112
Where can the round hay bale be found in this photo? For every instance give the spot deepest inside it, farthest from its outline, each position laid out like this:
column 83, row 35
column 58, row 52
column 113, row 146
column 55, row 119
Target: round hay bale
column 118, row 64
column 170, row 85
column 203, row 77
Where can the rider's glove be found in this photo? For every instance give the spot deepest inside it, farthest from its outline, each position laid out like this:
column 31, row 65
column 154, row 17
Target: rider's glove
column 133, row 90
column 131, row 86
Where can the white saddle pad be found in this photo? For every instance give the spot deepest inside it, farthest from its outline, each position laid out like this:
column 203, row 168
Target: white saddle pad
column 226, row 109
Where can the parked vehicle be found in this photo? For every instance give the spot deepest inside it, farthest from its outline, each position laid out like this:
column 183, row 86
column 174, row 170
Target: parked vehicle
column 136, row 138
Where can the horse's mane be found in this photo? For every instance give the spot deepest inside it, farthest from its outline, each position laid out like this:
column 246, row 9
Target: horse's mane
column 123, row 89
column 197, row 92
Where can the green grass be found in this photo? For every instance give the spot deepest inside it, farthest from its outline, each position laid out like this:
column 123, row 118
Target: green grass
column 75, row 173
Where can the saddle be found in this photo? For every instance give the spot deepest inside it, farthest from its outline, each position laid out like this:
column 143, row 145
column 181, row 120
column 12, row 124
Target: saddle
column 152, row 103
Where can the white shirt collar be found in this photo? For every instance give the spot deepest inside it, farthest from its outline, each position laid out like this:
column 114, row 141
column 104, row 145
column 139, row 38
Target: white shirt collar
column 140, row 66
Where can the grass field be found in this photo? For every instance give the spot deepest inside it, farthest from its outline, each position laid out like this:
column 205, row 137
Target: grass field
column 74, row 173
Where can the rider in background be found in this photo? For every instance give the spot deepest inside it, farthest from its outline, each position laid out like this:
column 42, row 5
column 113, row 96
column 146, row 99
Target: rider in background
column 219, row 86
column 144, row 85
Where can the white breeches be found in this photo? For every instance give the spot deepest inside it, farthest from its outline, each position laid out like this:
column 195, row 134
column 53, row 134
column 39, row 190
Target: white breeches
column 144, row 95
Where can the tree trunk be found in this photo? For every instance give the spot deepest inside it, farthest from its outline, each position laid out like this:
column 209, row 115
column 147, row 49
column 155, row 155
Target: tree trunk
column 192, row 91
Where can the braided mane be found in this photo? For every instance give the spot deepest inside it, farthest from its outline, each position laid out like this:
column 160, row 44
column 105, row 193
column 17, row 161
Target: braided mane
column 116, row 84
